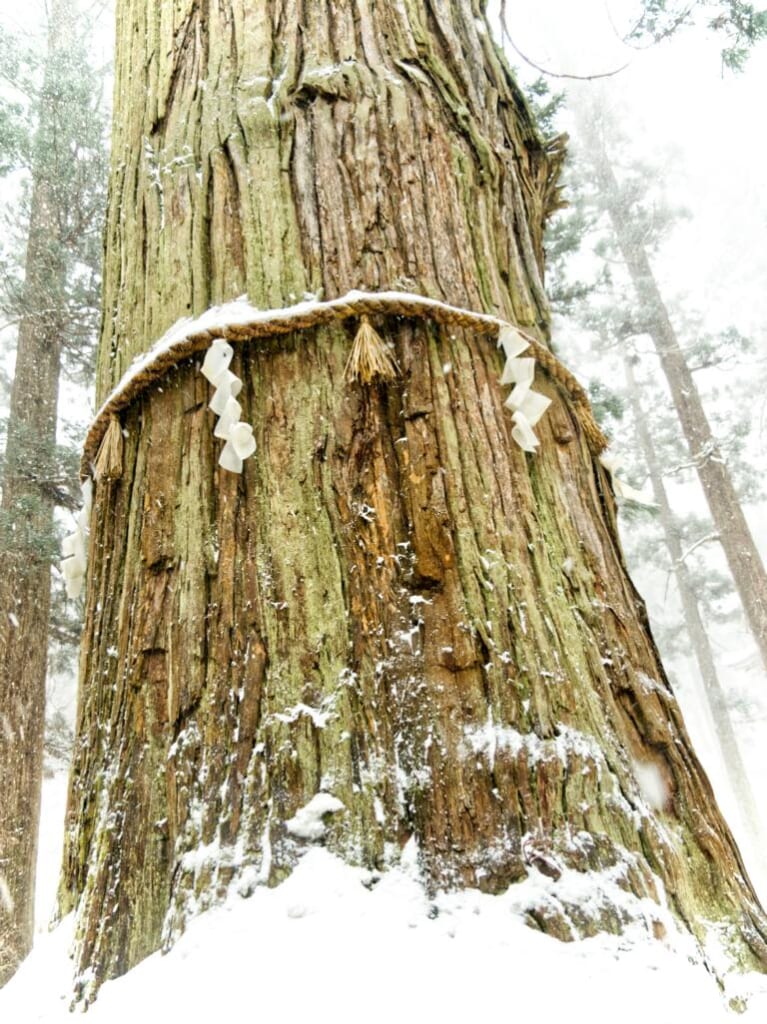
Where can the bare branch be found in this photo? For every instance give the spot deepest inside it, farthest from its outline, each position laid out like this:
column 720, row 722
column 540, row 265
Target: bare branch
column 545, row 71
column 698, row 543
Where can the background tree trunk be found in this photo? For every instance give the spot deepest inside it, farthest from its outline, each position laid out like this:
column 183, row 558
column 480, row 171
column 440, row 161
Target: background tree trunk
column 713, row 695
column 393, row 604
column 27, row 542
column 738, row 544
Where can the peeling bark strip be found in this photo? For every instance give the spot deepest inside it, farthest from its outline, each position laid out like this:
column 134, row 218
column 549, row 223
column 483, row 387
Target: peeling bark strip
column 392, row 608
column 186, row 339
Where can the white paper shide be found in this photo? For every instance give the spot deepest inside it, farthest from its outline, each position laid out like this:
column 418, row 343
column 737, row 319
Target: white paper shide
column 74, row 547
column 238, row 437
column 527, row 406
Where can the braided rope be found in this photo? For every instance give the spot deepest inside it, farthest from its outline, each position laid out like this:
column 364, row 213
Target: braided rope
column 162, row 357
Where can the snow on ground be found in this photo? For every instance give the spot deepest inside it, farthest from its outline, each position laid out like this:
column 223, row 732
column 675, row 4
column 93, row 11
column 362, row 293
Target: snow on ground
column 49, row 851
column 331, row 943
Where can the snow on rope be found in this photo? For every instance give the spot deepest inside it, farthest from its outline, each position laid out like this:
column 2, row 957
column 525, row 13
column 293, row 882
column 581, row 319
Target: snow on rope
column 239, row 321
column 369, row 359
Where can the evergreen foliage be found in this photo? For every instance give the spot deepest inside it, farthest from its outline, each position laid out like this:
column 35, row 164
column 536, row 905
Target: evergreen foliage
column 65, row 151
column 595, row 297
column 740, row 23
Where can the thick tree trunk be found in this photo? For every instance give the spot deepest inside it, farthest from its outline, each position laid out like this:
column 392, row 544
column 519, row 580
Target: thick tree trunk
column 26, row 538
column 393, row 604
column 713, row 694
column 740, row 550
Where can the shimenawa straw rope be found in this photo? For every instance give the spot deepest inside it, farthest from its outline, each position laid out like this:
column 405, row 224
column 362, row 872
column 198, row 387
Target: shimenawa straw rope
column 304, row 316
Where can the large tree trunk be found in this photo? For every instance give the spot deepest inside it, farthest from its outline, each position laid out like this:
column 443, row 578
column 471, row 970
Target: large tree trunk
column 738, row 544
column 26, row 530
column 393, row 604
column 713, row 695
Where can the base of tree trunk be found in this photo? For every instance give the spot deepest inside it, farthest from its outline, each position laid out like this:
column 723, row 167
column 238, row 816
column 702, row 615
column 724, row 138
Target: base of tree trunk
column 398, row 608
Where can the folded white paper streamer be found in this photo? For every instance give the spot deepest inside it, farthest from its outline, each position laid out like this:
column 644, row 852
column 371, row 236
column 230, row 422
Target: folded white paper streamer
column 74, row 547
column 240, row 443
column 527, row 406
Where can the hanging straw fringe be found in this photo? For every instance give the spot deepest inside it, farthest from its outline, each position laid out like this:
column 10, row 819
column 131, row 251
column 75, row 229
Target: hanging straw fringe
column 108, row 464
column 369, row 357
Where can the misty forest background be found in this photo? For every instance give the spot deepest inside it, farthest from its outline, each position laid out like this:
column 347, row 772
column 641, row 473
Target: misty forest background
column 676, row 124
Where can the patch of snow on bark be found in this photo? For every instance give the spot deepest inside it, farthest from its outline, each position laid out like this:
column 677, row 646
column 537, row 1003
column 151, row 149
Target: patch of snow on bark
column 307, row 822
column 651, row 784
column 491, row 738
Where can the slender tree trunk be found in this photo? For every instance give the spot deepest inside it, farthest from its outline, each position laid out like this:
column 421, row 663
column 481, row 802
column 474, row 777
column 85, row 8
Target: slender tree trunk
column 393, row 604
column 713, row 694
column 26, row 537
column 740, row 550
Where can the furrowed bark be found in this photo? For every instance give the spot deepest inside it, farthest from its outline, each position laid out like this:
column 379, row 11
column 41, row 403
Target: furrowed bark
column 393, row 604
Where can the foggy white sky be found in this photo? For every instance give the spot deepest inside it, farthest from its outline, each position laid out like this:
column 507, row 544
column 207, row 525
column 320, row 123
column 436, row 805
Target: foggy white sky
column 676, row 96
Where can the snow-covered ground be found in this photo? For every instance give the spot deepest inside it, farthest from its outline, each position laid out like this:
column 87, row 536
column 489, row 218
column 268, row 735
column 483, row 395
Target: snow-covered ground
column 329, row 945
column 49, row 850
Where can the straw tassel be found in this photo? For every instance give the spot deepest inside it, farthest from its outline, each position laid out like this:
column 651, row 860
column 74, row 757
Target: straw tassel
column 369, row 357
column 109, row 460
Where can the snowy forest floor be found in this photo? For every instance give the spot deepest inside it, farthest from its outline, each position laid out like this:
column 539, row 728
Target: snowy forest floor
column 326, row 945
